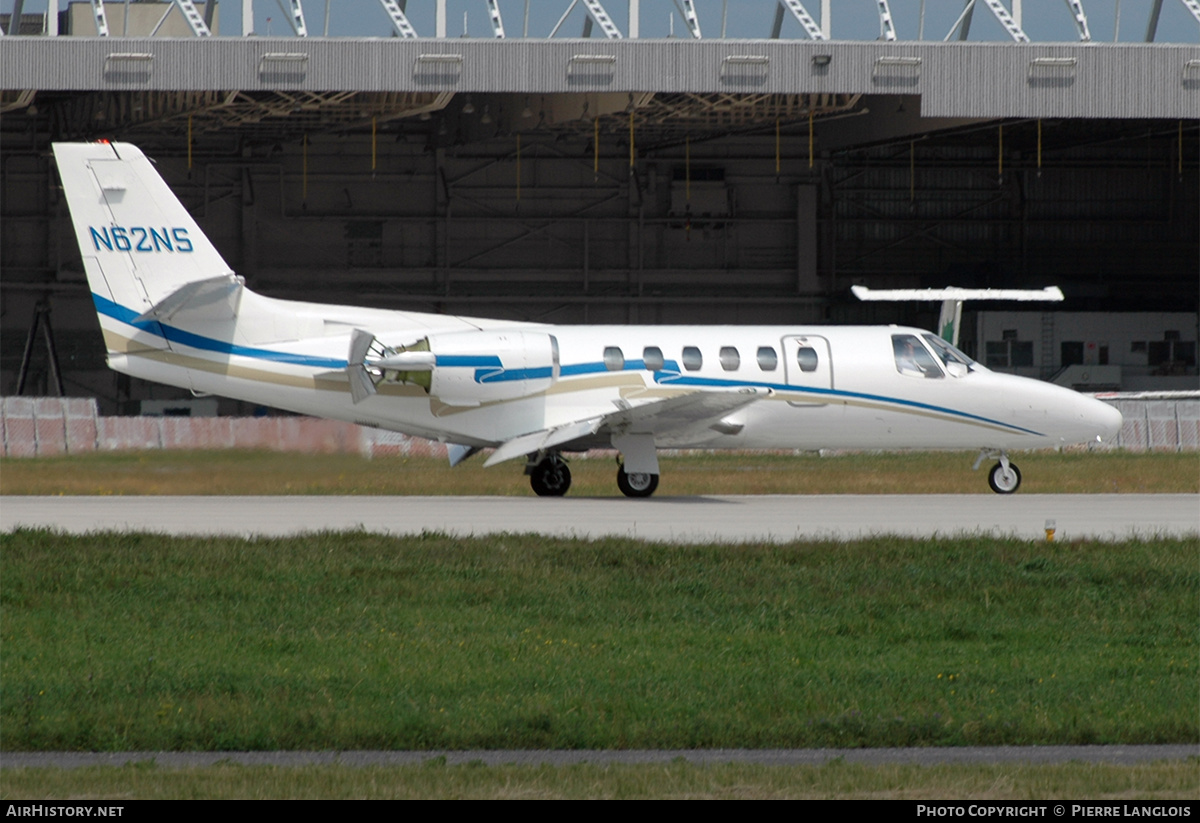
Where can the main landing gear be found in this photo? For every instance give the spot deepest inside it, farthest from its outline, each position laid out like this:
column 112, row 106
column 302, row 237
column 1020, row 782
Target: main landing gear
column 1004, row 477
column 549, row 476
column 636, row 484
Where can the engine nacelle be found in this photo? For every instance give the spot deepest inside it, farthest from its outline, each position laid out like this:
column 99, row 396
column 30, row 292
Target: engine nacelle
column 458, row 368
column 482, row 366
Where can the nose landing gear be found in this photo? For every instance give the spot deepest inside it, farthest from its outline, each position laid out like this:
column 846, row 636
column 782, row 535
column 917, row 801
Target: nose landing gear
column 1004, row 477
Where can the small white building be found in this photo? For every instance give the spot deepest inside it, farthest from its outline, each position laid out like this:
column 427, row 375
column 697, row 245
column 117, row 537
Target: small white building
column 1093, row 351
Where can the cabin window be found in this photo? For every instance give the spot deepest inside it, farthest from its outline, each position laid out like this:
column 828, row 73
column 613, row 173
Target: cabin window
column 652, row 356
column 806, row 358
column 767, row 359
column 730, row 359
column 913, row 359
column 692, row 359
column 614, row 359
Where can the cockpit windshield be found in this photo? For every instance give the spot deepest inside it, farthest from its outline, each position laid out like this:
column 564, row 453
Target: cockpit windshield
column 912, row 359
column 948, row 353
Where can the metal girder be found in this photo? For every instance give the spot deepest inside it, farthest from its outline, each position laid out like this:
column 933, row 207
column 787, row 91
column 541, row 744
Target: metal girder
column 295, row 16
column 21, row 100
column 798, row 11
column 101, row 19
column 1152, row 24
column 256, row 116
column 1076, row 7
column 687, row 8
column 1006, row 20
column 596, row 11
column 194, row 20
column 887, row 28
column 399, row 21
column 963, row 24
column 14, row 19
column 1193, row 6
column 497, row 23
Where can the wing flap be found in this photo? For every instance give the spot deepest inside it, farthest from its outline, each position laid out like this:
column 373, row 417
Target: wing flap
column 665, row 417
column 544, row 439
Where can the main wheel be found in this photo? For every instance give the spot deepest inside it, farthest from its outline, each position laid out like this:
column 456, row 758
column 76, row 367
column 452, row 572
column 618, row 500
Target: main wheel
column 637, row 484
column 1003, row 482
column 550, row 478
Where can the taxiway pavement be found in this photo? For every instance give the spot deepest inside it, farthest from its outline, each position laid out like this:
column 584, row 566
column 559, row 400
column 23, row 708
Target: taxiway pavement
column 759, row 518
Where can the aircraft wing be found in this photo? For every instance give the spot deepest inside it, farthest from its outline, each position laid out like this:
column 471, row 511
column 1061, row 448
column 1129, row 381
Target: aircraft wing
column 667, row 417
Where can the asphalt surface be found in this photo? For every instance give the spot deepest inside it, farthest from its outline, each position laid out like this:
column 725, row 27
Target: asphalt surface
column 731, row 518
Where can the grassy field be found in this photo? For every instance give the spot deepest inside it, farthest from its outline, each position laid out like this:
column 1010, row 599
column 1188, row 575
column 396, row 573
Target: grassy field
column 240, row 472
column 360, row 641
column 435, row 780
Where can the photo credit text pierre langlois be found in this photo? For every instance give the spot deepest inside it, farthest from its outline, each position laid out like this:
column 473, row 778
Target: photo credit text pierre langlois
column 1070, row 810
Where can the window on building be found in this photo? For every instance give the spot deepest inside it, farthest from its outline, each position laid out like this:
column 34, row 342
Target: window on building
column 1071, row 352
column 1009, row 352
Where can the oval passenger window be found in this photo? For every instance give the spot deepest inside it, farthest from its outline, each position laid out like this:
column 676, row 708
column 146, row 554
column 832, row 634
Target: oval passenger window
column 806, row 358
column 614, row 360
column 730, row 359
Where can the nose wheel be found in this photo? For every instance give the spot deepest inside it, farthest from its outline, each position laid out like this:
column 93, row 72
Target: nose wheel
column 1004, row 478
column 550, row 477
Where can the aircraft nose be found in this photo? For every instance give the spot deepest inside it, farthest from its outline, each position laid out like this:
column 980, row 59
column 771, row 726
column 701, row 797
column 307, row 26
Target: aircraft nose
column 1106, row 419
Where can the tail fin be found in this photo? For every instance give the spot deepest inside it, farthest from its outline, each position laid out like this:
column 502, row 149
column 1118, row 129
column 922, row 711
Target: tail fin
column 138, row 242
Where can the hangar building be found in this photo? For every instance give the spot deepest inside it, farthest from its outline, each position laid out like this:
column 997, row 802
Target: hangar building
column 594, row 174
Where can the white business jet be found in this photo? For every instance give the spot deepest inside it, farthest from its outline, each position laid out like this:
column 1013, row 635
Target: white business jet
column 172, row 311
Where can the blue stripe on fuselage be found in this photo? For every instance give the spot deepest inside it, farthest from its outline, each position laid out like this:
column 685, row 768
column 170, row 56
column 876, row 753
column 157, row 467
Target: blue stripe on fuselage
column 196, row 341
column 489, row 368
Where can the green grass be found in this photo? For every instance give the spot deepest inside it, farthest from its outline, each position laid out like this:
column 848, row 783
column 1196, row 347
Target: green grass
column 242, row 472
column 435, row 780
column 360, row 641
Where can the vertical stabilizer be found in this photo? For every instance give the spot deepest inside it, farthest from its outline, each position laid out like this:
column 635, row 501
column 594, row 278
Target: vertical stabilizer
column 138, row 242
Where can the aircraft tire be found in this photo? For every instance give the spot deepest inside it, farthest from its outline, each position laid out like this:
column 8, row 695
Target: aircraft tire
column 1002, row 483
column 636, row 485
column 550, row 478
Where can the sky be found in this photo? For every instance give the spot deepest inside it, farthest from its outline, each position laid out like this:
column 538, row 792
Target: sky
column 1043, row 20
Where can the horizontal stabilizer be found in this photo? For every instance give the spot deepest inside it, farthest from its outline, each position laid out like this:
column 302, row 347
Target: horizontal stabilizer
column 209, row 297
column 1049, row 294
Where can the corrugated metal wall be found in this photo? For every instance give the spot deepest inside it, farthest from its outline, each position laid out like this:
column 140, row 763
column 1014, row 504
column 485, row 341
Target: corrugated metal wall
column 954, row 79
